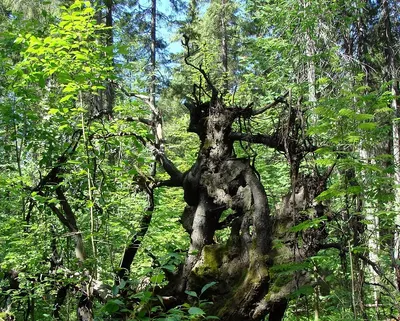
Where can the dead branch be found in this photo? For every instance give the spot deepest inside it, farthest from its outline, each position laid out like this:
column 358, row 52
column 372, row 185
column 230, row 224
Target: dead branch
column 185, row 43
column 69, row 214
column 144, row 98
column 122, row 134
column 141, row 120
column 272, row 141
column 276, row 101
column 175, row 174
column 51, row 177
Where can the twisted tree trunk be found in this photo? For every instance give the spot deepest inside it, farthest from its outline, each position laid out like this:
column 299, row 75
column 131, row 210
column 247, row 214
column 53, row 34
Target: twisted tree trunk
column 246, row 267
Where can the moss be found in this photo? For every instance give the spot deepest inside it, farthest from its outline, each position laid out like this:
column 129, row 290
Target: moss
column 249, row 282
column 268, row 297
column 283, row 279
column 211, row 262
column 280, row 281
column 236, row 285
column 278, row 287
column 212, row 255
column 280, row 228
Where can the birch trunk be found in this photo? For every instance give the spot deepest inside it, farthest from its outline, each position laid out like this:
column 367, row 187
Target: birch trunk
column 372, row 230
column 391, row 75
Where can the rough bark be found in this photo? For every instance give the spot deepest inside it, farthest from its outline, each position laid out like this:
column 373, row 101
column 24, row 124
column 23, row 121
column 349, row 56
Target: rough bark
column 248, row 286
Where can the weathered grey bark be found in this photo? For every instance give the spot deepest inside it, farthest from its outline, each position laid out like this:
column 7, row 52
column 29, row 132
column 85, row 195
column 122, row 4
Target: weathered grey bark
column 391, row 75
column 248, row 288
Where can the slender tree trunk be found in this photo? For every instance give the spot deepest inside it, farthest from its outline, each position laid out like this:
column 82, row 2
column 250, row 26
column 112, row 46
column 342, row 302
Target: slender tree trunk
column 355, row 232
column 105, row 99
column 367, row 206
column 153, row 52
column 372, row 229
column 391, row 75
column 310, row 53
column 110, row 92
column 133, row 246
column 156, row 114
column 224, row 45
column 317, row 293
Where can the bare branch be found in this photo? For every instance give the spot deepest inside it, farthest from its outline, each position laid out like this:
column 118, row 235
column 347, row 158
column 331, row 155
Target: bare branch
column 336, row 246
column 121, row 134
column 51, row 177
column 168, row 183
column 140, row 119
column 175, row 174
column 185, row 43
column 134, row 244
column 130, row 94
column 268, row 140
column 69, row 214
column 143, row 98
column 276, row 101
column 388, row 292
column 61, row 217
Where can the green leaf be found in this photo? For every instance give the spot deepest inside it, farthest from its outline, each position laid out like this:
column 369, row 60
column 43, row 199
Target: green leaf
column 191, row 293
column 123, row 50
column 303, row 290
column 157, row 278
column 53, row 111
column 367, row 126
column 362, row 117
column 360, row 249
column 196, row 311
column 307, row 224
column 66, row 98
column 169, row 267
column 122, row 284
column 70, row 87
column 323, row 150
column 76, row 5
column 42, row 81
column 115, row 290
column 111, row 307
column 207, row 286
column 54, row 201
column 354, row 189
column 347, row 112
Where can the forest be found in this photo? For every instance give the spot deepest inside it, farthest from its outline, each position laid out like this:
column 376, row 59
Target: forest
column 171, row 160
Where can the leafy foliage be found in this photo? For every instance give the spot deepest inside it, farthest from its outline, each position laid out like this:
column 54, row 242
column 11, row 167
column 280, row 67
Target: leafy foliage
column 75, row 177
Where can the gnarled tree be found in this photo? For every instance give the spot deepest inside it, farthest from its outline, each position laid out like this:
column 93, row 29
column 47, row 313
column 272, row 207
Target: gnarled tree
column 261, row 239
